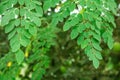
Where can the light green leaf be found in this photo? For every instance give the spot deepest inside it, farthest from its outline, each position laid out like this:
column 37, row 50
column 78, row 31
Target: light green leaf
column 39, row 11
column 27, row 34
column 25, row 23
column 71, row 7
column 95, row 63
column 105, row 36
column 24, row 41
column 74, row 33
column 14, row 43
column 27, row 2
column 23, row 12
column 17, row 22
column 80, row 39
column 32, row 30
column 13, row 2
column 110, row 42
column 31, row 5
column 88, row 50
column 21, row 2
column 15, row 46
column 5, row 20
column 97, row 36
column 81, row 28
column 47, row 5
column 67, row 26
column 74, row 21
column 90, row 53
column 98, row 55
column 71, row 22
column 19, row 56
column 85, row 43
column 37, row 21
column 37, row 2
column 96, row 45
column 9, row 27
column 17, row 11
column 98, row 24
column 11, row 34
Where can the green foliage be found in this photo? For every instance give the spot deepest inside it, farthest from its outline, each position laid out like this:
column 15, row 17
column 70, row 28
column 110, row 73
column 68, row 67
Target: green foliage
column 91, row 24
column 31, row 32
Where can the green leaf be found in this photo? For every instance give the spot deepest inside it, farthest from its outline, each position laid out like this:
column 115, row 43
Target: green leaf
column 22, row 11
column 85, row 43
column 81, row 28
column 31, row 5
column 11, row 34
column 90, row 18
column 21, row 2
column 67, row 26
column 9, row 27
column 1, row 9
column 15, row 47
column 27, row 34
column 13, row 2
column 39, row 11
column 74, row 33
column 89, row 52
column 93, row 55
column 96, row 45
column 17, row 22
column 24, row 41
column 110, row 42
column 105, row 36
column 72, row 22
column 95, row 63
column 97, row 36
column 47, row 5
column 19, row 56
column 37, row 21
column 80, row 39
column 71, row 7
column 98, row 24
column 14, row 43
column 8, row 16
column 98, row 55
column 32, row 30
column 37, row 2
column 5, row 20
column 38, row 73
column 17, row 11
column 27, row 3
